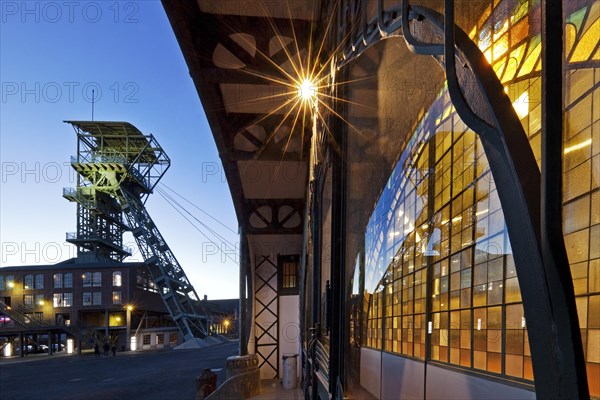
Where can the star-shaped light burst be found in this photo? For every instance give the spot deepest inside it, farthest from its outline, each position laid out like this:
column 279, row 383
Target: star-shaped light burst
column 305, row 95
column 307, row 90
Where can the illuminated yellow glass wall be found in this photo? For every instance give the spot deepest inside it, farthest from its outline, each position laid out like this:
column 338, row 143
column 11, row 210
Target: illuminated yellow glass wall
column 512, row 44
column 581, row 162
column 440, row 208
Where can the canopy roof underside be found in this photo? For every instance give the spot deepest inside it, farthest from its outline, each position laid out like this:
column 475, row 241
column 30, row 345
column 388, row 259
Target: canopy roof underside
column 244, row 59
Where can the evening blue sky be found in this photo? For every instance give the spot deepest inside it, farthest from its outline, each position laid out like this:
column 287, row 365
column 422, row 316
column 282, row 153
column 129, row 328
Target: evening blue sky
column 52, row 54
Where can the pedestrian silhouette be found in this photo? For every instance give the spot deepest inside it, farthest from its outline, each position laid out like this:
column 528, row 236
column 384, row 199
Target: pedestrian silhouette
column 97, row 350
column 114, row 349
column 105, row 347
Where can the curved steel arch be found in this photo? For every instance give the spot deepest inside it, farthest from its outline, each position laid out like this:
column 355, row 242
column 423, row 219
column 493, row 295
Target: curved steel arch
column 548, row 301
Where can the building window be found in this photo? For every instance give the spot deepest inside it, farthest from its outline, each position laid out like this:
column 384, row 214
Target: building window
column 28, row 282
column 97, row 298
column 87, row 298
column 146, row 340
column 116, row 297
column 116, row 319
column 62, row 300
column 173, row 339
column 39, row 281
column 116, row 278
column 288, row 274
column 67, row 299
column 10, row 282
column 144, row 281
column 39, row 300
column 28, row 300
column 160, row 339
column 87, row 279
column 97, row 279
column 57, row 300
column 1, row 282
column 58, row 282
column 68, row 280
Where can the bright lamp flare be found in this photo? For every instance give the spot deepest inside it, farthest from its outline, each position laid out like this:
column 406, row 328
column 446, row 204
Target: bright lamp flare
column 307, row 90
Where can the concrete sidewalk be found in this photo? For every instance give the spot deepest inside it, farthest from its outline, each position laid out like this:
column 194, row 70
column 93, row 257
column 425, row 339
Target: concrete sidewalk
column 272, row 390
column 39, row 357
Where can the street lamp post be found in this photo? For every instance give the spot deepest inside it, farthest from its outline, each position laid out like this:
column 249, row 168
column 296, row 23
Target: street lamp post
column 129, row 308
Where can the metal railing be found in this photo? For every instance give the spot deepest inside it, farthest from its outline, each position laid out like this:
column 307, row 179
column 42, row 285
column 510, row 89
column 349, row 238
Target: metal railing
column 26, row 317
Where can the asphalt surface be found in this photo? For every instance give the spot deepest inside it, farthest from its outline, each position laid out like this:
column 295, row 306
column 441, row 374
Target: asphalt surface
column 147, row 375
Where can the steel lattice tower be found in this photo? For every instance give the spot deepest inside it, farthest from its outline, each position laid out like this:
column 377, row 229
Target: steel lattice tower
column 118, row 167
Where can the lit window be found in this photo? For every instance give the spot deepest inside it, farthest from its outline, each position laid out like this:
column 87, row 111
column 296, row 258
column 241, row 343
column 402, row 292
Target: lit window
column 39, row 300
column 67, row 299
column 288, row 275
column 172, row 339
column 117, row 278
column 62, row 300
column 57, row 300
column 28, row 300
column 116, row 297
column 10, row 282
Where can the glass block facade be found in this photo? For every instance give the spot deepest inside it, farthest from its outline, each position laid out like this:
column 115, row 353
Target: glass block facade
column 437, row 253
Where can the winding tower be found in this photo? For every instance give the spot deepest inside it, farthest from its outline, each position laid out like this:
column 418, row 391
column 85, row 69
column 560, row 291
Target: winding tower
column 118, row 167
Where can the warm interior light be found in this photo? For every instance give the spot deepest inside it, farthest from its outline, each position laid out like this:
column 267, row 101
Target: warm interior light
column 521, row 105
column 307, row 90
column 578, row 146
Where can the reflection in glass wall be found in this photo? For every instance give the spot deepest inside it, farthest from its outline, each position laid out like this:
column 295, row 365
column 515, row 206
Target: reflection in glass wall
column 439, row 220
column 437, row 256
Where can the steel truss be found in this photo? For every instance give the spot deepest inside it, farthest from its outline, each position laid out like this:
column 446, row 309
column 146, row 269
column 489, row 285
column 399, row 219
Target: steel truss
column 266, row 318
column 118, row 167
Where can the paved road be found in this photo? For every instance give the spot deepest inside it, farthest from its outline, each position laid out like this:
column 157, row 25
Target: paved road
column 164, row 374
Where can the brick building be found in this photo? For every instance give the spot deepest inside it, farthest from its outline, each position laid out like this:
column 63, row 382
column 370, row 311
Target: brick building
column 90, row 302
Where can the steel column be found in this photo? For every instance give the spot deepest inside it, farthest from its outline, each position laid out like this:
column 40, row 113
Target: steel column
column 243, row 332
column 571, row 364
column 338, row 256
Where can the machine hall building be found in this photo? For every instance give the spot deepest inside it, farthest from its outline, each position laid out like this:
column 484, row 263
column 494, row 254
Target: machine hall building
column 434, row 167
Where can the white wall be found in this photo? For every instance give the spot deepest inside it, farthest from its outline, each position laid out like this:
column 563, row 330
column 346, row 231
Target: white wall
column 443, row 383
column 370, row 371
column 389, row 376
column 402, row 378
column 289, row 329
